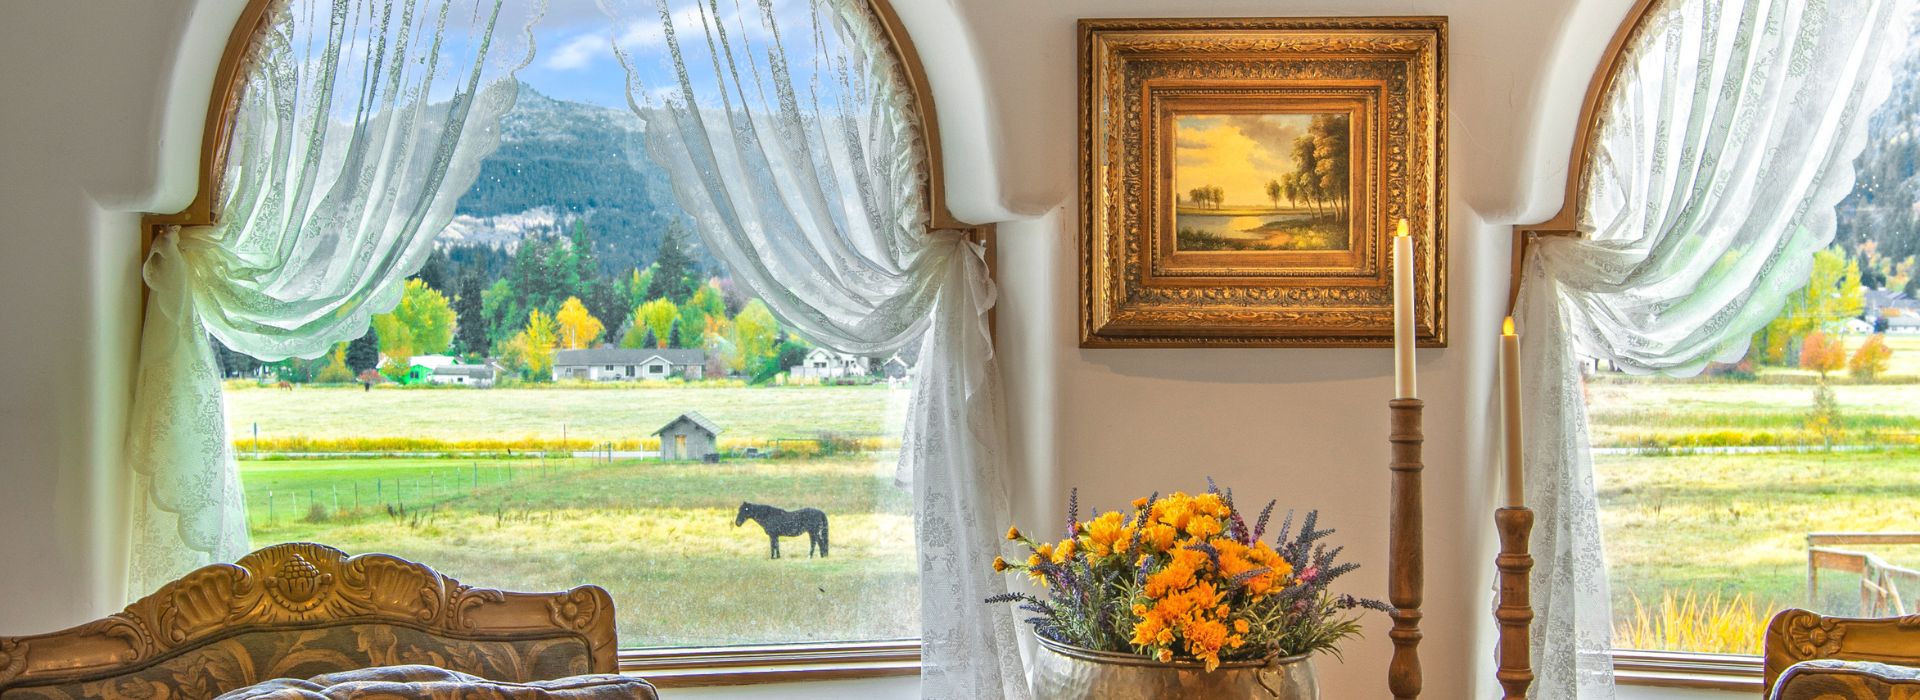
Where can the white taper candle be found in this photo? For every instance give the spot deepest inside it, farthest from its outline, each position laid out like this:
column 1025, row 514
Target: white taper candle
column 1404, row 384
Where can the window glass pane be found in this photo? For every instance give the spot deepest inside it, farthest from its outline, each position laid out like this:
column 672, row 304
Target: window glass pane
column 575, row 392
column 1787, row 479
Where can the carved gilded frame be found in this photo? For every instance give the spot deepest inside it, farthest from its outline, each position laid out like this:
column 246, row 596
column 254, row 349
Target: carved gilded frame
column 297, row 586
column 665, row 668
column 1387, row 74
column 1798, row 635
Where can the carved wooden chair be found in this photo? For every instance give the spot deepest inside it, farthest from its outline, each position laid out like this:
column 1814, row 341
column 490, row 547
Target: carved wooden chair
column 301, row 610
column 1843, row 657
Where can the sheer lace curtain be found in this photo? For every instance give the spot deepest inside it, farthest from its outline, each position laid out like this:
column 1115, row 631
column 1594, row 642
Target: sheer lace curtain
column 360, row 124
column 789, row 134
column 1727, row 139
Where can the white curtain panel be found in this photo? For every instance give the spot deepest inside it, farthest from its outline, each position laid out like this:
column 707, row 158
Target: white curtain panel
column 1724, row 144
column 360, row 125
column 788, row 131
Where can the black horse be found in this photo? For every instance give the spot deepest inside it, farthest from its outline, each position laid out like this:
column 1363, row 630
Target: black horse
column 780, row 523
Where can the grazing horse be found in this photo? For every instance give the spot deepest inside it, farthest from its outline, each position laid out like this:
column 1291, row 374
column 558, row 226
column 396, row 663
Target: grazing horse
column 780, row 523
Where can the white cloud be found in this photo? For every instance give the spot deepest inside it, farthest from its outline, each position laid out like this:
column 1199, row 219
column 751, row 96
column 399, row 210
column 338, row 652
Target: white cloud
column 578, row 53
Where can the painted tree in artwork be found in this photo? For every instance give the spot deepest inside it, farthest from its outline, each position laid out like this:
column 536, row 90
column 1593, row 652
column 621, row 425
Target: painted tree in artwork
column 1321, row 165
column 1273, row 192
column 578, row 328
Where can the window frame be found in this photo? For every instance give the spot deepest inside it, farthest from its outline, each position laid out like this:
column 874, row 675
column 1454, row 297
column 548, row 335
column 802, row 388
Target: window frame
column 1631, row 667
column 666, row 667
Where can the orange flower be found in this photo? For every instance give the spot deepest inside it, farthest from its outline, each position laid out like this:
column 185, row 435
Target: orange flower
column 999, row 564
column 1105, row 535
column 1013, row 533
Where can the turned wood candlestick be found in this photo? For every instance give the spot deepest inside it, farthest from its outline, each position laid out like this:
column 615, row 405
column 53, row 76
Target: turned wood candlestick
column 1406, row 570
column 1516, row 609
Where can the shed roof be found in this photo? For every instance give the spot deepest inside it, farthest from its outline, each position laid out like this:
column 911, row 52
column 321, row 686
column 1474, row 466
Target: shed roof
column 694, row 418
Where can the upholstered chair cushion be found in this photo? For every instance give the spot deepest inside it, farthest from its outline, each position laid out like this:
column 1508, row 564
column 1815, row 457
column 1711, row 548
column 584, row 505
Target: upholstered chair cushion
column 431, row 683
column 1829, row 679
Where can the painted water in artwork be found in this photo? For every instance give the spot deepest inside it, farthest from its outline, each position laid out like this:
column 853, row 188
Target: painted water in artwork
column 1261, row 182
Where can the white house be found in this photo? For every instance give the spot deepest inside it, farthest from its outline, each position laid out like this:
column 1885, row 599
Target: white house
column 821, row 363
column 480, row 375
column 624, row 364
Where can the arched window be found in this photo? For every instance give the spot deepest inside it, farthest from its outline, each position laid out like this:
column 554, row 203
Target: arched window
column 525, row 289
column 1716, row 140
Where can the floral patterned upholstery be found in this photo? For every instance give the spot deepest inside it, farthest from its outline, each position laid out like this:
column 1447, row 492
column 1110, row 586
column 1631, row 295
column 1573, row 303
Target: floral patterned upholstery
column 204, row 672
column 430, row 683
column 1829, row 679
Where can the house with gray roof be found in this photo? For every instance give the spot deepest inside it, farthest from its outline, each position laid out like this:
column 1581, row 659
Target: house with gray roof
column 689, row 437
column 607, row 364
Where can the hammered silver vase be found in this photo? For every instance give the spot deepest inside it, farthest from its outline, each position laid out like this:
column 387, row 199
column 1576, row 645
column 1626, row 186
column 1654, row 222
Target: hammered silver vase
column 1067, row 672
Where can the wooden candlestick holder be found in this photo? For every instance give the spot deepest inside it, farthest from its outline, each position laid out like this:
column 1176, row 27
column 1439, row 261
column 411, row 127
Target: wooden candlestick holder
column 1516, row 607
column 1406, row 570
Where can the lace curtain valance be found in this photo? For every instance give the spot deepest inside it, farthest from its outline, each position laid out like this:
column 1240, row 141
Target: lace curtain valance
column 359, row 124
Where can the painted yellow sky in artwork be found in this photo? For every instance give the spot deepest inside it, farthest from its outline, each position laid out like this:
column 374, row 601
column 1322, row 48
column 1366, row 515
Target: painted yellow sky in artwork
column 1238, row 153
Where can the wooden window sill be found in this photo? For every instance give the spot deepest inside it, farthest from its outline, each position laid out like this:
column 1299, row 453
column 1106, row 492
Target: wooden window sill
column 777, row 663
column 1686, row 670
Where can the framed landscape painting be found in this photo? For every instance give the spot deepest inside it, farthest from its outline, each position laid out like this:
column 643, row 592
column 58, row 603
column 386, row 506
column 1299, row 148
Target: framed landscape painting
column 1240, row 179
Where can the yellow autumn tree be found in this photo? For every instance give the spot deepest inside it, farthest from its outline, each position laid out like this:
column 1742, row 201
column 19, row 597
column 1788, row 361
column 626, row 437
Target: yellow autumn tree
column 657, row 316
column 532, row 348
column 578, row 329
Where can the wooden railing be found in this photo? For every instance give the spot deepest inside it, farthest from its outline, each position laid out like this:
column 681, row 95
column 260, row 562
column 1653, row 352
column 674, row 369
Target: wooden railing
column 1881, row 583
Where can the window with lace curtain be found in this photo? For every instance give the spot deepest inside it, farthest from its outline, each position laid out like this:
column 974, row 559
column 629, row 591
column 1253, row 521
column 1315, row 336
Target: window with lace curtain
column 1783, row 477
column 573, row 387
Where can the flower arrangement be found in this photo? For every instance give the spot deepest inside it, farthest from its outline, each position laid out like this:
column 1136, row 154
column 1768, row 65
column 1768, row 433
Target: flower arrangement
column 1185, row 577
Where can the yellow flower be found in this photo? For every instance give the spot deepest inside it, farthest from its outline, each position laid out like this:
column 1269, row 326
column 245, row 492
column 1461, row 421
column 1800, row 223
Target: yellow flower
column 1106, row 535
column 1240, row 626
column 1045, row 550
column 1166, row 655
column 1033, row 560
column 1013, row 533
column 999, row 564
column 1063, row 552
column 1139, row 503
column 1203, row 526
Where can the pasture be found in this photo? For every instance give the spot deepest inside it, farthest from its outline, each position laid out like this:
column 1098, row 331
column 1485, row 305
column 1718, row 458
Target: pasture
column 659, row 537
column 1707, row 521
column 322, row 418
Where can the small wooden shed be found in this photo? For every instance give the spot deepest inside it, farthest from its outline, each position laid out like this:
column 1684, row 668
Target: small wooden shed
column 688, row 438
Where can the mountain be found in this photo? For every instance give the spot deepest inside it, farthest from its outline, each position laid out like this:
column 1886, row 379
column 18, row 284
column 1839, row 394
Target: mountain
column 1878, row 223
column 562, row 163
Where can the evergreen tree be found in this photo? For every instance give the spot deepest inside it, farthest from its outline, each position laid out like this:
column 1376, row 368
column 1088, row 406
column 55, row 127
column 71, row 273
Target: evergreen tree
column 673, row 269
column 649, row 341
column 364, row 352
column 438, row 271
column 673, row 335
column 470, row 319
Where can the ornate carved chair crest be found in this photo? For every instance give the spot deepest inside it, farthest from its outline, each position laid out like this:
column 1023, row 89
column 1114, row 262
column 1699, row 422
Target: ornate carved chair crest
column 298, row 610
column 1798, row 635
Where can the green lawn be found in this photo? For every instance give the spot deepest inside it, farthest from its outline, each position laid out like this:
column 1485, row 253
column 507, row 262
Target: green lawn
column 1735, row 524
column 659, row 537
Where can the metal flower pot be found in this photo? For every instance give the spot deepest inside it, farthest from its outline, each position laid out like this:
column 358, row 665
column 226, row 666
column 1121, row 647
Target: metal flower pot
column 1067, row 672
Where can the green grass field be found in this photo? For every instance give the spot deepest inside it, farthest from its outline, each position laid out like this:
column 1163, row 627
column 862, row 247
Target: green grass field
column 659, row 537
column 1735, row 524
column 584, row 416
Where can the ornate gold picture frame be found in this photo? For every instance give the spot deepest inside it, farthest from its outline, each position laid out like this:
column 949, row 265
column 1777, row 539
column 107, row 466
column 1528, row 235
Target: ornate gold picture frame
column 1241, row 179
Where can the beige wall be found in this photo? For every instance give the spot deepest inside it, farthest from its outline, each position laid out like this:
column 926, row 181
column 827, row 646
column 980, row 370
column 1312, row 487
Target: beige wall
column 101, row 118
